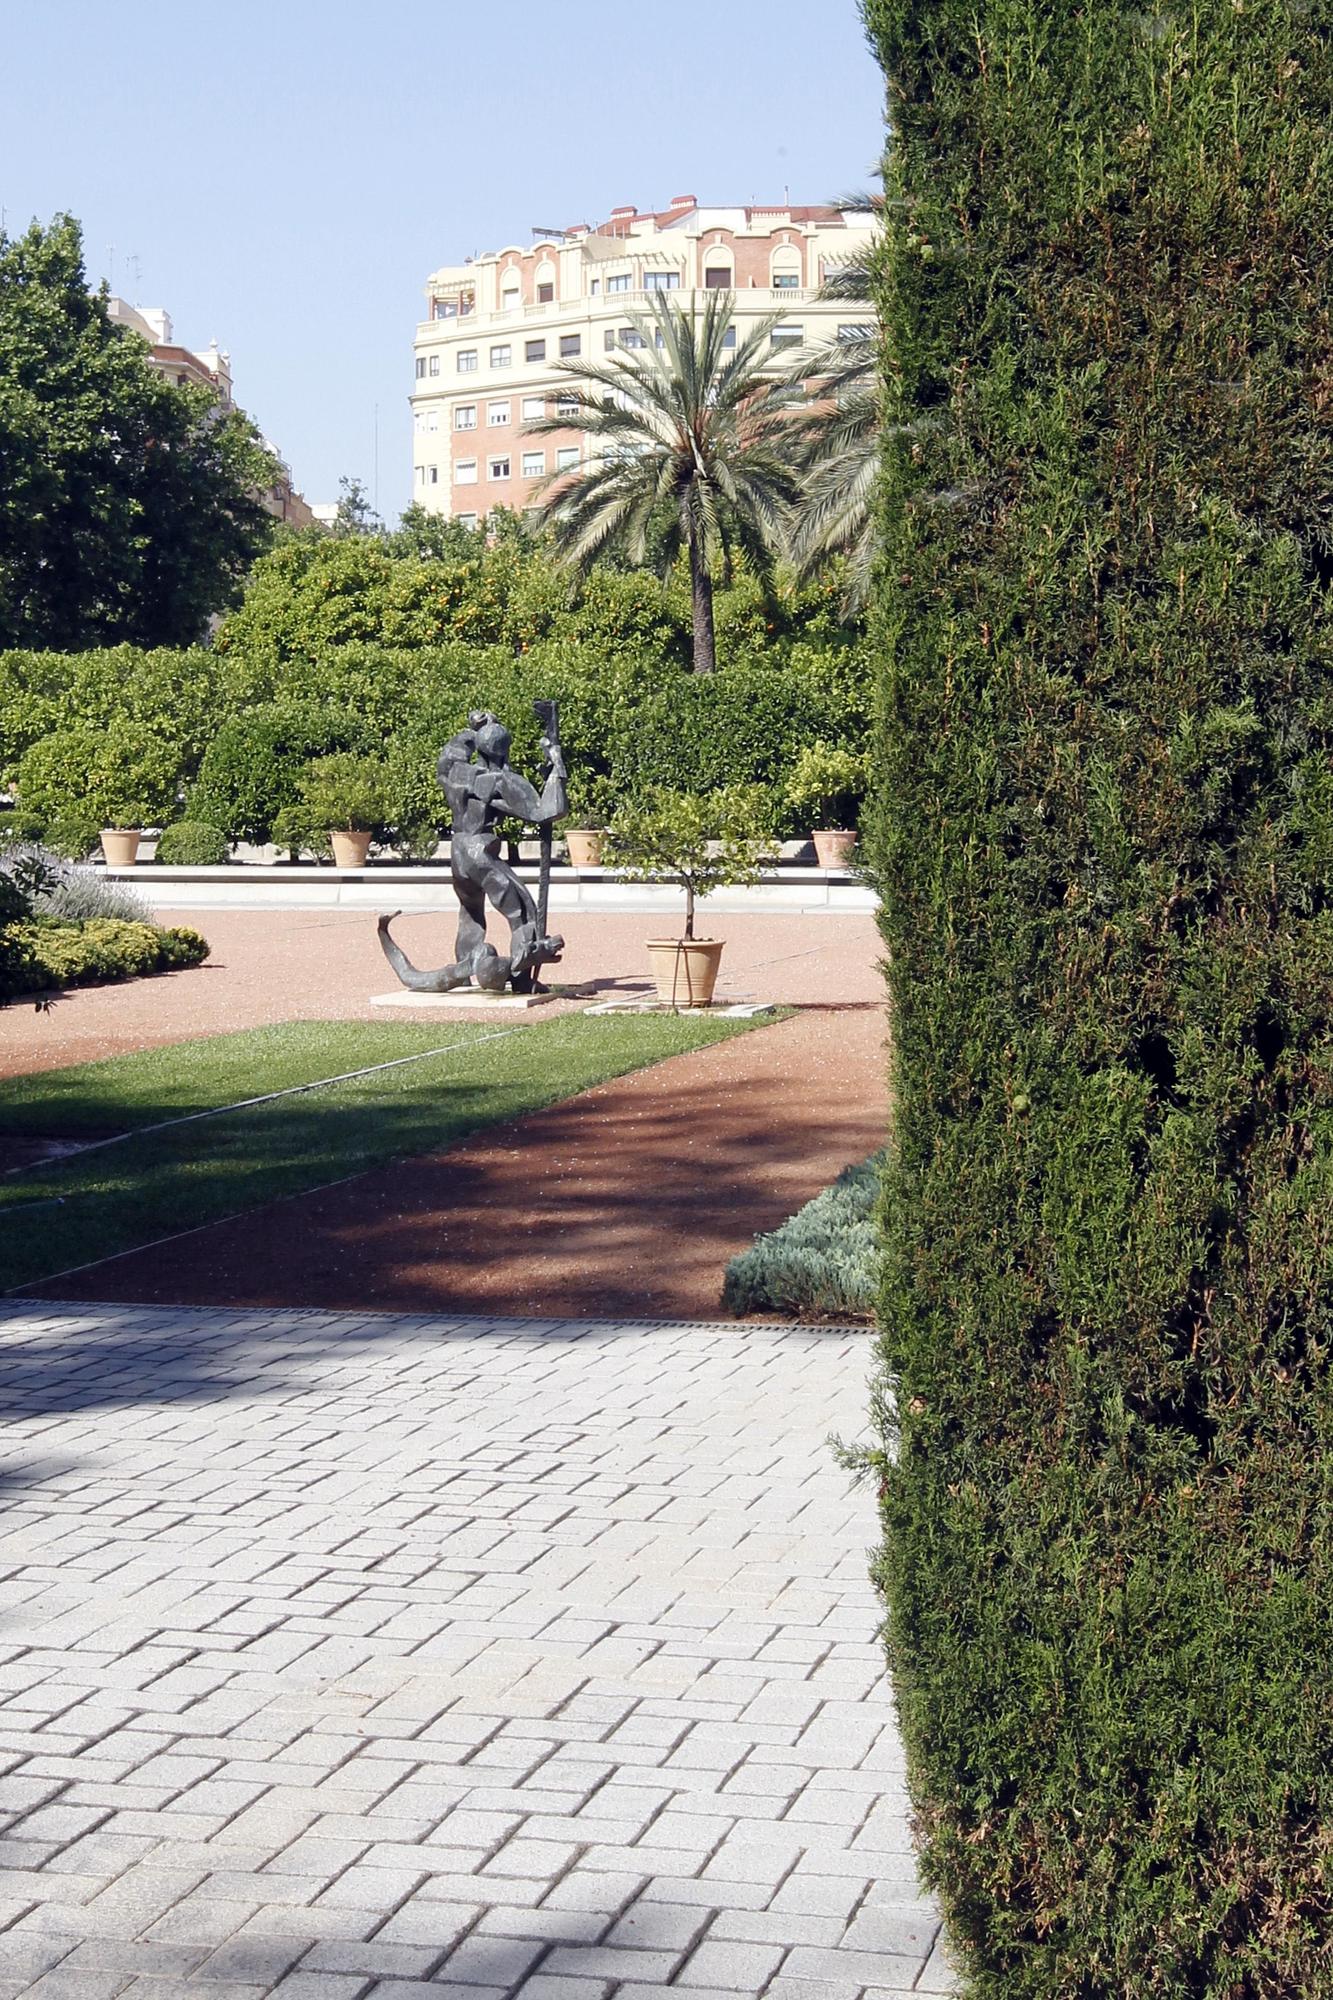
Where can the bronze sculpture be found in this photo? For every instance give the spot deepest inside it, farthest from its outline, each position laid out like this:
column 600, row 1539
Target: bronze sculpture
column 481, row 788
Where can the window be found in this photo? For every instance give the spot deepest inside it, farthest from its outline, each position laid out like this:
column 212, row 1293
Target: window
column 465, row 417
column 421, row 367
column 545, row 294
column 501, row 357
column 570, row 344
column 433, row 421
column 729, row 337
column 466, row 520
column 497, row 413
column 717, row 277
column 465, row 472
column 567, row 458
column 849, row 335
column 785, row 268
column 510, row 298
column 533, row 407
column 534, row 464
column 620, row 283
column 786, row 281
column 631, row 337
column 787, row 335
column 609, row 340
column 467, row 361
column 595, row 287
column 662, row 281
column 434, row 364
column 566, row 406
column 419, row 421
column 498, row 468
column 421, row 475
column 535, row 350
column 432, row 475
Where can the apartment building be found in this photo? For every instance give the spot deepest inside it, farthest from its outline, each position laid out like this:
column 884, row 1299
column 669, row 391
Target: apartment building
column 487, row 359
column 210, row 370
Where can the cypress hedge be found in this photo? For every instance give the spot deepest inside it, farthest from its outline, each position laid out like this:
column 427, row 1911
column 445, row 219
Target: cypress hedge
column 1104, row 846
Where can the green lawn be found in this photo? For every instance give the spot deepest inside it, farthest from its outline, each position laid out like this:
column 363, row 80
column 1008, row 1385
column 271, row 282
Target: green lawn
column 56, row 1216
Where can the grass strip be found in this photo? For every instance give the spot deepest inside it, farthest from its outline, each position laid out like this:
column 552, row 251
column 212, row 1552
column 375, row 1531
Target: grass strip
column 57, row 1216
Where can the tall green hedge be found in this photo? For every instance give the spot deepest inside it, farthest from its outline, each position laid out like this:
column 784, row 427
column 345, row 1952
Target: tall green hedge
column 1105, row 848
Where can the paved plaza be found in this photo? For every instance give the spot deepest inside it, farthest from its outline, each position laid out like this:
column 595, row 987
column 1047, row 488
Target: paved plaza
column 357, row 1657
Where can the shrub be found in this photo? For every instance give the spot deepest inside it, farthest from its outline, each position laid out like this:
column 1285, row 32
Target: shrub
column 87, row 892
column 44, row 951
column 118, row 775
column 252, row 767
column 193, row 843
column 823, row 1262
column 827, row 785
column 1102, row 835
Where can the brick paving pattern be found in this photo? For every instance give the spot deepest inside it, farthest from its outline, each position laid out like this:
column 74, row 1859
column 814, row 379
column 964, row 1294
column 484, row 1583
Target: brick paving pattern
column 347, row 1657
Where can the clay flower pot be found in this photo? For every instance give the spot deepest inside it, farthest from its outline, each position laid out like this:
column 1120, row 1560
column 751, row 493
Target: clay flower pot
column 834, row 846
column 350, row 849
column 120, row 846
column 584, row 845
column 685, row 969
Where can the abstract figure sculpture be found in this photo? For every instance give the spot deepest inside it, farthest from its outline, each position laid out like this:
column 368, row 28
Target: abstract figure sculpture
column 481, row 788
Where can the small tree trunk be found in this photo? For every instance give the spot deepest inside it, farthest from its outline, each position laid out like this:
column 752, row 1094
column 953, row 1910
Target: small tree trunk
column 701, row 589
column 689, row 906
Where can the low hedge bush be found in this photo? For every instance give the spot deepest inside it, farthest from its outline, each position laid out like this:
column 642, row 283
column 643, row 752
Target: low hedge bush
column 193, row 843
column 822, row 1263
column 39, row 952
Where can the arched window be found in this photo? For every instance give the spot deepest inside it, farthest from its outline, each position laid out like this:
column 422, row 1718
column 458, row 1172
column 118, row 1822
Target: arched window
column 719, row 268
column 545, row 282
column 785, row 266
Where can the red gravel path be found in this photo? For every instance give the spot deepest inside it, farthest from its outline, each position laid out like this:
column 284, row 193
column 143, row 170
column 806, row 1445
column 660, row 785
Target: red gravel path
column 626, row 1201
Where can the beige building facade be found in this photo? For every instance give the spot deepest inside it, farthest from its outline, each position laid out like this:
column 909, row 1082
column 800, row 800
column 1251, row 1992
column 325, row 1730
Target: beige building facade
column 501, row 329
column 211, row 371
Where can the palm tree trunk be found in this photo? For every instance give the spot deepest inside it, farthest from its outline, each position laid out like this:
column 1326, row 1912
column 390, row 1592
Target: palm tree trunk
column 701, row 590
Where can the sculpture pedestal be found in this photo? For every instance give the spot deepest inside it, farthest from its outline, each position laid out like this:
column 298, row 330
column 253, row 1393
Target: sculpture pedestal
column 461, row 997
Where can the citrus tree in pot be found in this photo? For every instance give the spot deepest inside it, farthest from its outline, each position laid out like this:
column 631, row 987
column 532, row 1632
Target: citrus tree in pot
column 345, row 800
column 826, row 788
column 121, row 778
column 703, row 843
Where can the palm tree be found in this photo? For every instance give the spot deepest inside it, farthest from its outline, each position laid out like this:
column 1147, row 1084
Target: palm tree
column 693, row 453
column 837, row 437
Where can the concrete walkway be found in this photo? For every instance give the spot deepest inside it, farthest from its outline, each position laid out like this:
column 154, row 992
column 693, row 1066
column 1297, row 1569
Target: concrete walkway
column 349, row 1656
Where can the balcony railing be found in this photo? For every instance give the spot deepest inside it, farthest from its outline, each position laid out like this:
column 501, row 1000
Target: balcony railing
column 749, row 298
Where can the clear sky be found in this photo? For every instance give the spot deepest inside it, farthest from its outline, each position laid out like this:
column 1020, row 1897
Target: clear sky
column 288, row 172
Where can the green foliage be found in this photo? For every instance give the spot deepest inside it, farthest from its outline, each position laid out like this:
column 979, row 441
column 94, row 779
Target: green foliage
column 690, row 459
column 827, row 785
column 41, row 952
column 120, row 775
column 1102, row 833
column 193, row 843
column 253, row 766
column 127, row 508
column 341, row 793
column 703, row 842
column 823, row 1262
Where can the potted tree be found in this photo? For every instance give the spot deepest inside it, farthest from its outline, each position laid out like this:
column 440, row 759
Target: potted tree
column 702, row 843
column 120, row 778
column 591, row 802
column 344, row 799
column 825, row 789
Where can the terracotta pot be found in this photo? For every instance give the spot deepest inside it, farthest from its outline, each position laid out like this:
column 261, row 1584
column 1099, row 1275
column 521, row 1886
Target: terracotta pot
column 120, row 846
column 834, row 847
column 350, row 849
column 685, row 969
column 584, row 845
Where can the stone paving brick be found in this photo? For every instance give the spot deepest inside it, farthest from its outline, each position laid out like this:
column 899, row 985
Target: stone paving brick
column 364, row 1659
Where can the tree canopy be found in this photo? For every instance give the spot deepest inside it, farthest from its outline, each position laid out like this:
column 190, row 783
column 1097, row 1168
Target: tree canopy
column 129, row 507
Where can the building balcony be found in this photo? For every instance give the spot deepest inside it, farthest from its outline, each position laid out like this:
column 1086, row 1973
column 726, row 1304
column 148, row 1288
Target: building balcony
column 750, row 299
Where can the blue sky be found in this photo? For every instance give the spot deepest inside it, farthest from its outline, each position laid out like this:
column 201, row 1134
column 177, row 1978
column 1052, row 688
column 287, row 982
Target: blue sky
column 288, row 173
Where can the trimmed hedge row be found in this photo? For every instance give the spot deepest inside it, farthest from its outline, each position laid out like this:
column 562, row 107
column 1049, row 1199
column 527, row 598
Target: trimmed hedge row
column 41, row 952
column 1104, row 847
